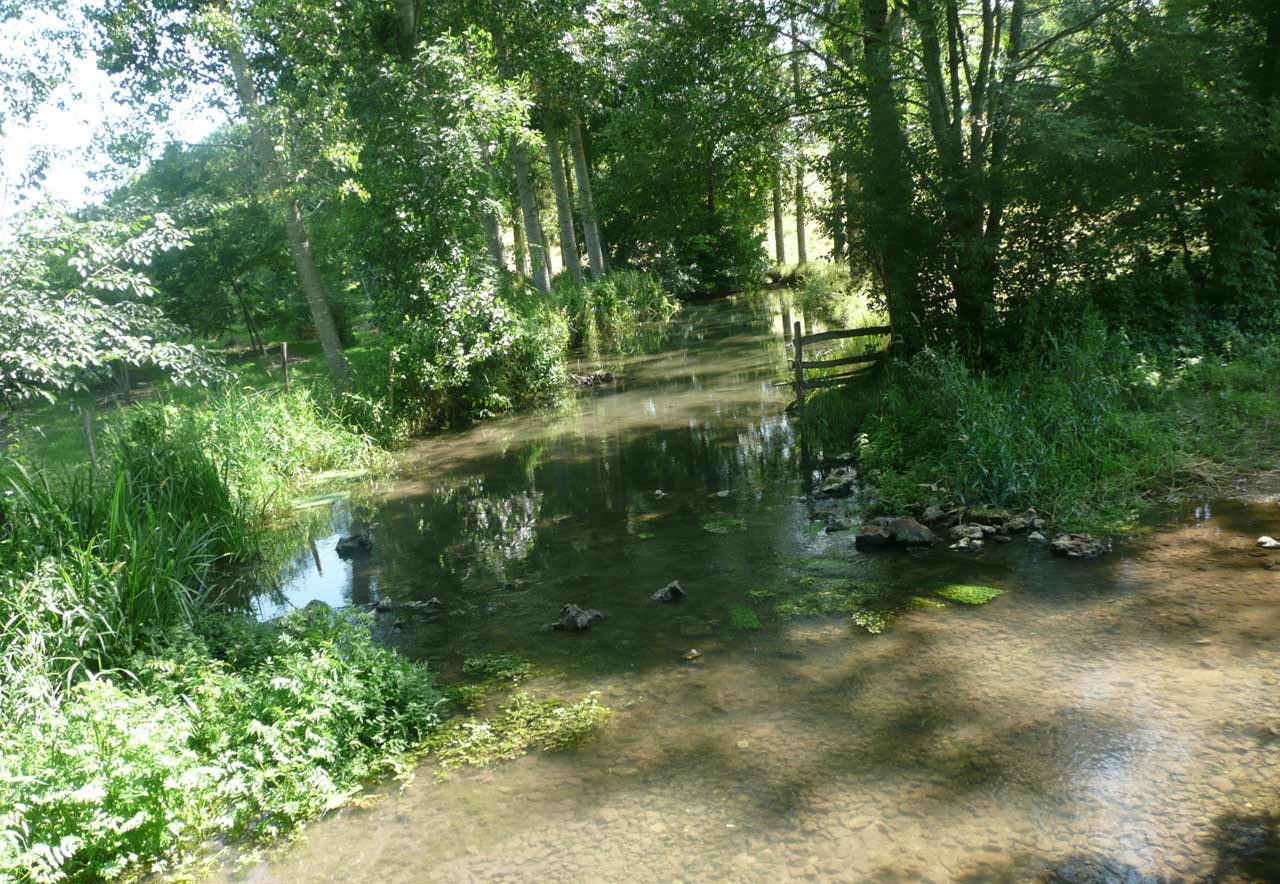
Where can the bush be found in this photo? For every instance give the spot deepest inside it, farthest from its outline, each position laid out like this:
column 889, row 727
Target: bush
column 1081, row 426
column 282, row 725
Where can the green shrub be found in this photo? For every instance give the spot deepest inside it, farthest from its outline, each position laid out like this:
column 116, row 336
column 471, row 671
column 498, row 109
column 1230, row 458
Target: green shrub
column 743, row 617
column 240, row 727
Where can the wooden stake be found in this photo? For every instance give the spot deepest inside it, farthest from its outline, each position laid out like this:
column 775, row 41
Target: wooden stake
column 391, row 381
column 284, row 364
column 796, row 338
column 86, row 421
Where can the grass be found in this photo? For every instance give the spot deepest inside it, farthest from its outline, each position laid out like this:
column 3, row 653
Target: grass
column 139, row 713
column 1083, row 427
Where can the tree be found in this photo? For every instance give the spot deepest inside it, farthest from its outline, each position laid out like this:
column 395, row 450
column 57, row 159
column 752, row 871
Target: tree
column 166, row 45
column 74, row 301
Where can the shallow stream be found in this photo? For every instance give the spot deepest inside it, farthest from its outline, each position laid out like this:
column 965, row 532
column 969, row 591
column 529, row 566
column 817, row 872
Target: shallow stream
column 1115, row 720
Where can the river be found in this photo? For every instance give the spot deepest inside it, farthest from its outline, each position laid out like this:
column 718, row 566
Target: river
column 1114, row 720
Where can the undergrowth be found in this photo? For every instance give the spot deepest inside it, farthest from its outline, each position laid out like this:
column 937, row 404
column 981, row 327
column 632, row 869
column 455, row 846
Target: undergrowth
column 138, row 712
column 1083, row 426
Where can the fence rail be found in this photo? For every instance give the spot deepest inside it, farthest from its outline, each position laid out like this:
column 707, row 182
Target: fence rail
column 801, row 384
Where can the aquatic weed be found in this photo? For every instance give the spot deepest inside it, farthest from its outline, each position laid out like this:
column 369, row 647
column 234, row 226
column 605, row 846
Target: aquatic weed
column 722, row 524
column 967, row 594
column 522, row 724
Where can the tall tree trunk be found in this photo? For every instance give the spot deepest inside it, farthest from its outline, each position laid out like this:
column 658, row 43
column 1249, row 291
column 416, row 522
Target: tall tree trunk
column 837, row 217
column 493, row 236
column 564, row 208
column 534, row 237
column 586, row 204
column 779, row 230
column 802, row 253
column 407, row 28
column 888, row 190
column 517, row 236
column 313, row 287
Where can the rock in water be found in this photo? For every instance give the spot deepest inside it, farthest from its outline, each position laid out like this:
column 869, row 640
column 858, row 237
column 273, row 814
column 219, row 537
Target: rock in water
column 1079, row 546
column 576, row 619
column 873, row 537
column 355, row 543
column 906, row 531
column 1035, row 537
column 836, row 524
column 1268, row 543
column 897, row 531
column 838, row 483
column 967, row 532
column 672, row 592
column 987, row 515
column 1022, row 521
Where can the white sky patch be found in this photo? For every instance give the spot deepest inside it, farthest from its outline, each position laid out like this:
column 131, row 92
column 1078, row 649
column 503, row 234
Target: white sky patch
column 65, row 139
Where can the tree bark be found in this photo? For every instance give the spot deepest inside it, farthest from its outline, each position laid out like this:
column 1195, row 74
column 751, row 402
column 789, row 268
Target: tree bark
column 517, row 236
column 888, row 189
column 779, row 230
column 313, row 287
column 564, row 208
column 534, row 236
column 493, row 236
column 586, row 204
column 802, row 252
column 407, row 28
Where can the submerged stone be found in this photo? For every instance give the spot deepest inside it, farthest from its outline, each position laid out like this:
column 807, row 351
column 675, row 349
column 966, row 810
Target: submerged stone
column 1079, row 546
column 576, row 619
column 355, row 543
column 672, row 592
column 967, row 594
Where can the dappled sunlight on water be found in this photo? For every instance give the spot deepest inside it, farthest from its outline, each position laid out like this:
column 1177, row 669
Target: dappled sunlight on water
column 1116, row 720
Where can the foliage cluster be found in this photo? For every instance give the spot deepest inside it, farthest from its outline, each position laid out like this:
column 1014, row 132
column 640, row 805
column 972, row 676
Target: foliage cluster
column 139, row 714
column 1083, row 426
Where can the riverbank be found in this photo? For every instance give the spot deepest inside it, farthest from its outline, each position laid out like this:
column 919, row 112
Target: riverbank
column 1088, row 429
column 144, row 709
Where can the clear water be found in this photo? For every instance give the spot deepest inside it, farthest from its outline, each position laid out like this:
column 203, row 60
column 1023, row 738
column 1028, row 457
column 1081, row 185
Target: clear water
column 1116, row 720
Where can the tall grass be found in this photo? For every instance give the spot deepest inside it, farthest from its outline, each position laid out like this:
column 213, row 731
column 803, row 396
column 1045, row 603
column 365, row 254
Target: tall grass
column 609, row 311
column 137, row 713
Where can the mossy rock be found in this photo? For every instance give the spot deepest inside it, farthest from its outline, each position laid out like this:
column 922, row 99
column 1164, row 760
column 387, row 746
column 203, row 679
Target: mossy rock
column 967, row 594
column 919, row 601
column 721, row 524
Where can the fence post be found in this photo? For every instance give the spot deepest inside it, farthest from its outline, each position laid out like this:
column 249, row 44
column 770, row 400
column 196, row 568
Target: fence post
column 86, row 420
column 284, row 364
column 796, row 337
column 391, row 381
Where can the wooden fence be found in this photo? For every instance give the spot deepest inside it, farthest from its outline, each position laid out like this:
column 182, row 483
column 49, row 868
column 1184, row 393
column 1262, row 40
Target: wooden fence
column 802, row 384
